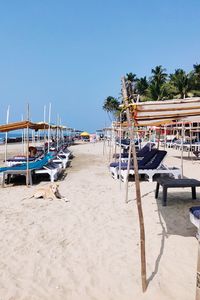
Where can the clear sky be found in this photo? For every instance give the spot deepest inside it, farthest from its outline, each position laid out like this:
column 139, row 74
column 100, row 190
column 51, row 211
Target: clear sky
column 73, row 53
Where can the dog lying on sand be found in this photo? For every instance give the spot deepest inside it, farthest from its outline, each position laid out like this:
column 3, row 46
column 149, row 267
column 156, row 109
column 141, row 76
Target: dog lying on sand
column 48, row 191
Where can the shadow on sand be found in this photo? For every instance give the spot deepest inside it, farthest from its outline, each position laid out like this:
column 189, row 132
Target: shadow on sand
column 174, row 220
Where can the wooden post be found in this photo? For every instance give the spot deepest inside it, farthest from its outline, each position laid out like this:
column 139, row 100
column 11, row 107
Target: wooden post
column 138, row 194
column 44, row 127
column 49, row 129
column 159, row 133
column 182, row 133
column 27, row 148
column 198, row 272
column 128, row 169
column 120, row 150
column 6, row 138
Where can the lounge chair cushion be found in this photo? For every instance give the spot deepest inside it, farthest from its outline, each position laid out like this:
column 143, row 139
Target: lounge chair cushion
column 195, row 210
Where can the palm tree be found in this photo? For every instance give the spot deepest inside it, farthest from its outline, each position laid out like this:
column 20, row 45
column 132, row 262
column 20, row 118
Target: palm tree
column 111, row 106
column 158, row 79
column 142, row 86
column 182, row 82
column 196, row 77
column 159, row 75
column 130, row 84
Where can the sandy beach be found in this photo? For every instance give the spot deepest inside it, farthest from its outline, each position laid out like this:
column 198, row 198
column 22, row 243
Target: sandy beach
column 88, row 248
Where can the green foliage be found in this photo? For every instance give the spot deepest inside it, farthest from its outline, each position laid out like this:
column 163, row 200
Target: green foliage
column 111, row 106
column 142, row 86
column 182, row 82
column 160, row 86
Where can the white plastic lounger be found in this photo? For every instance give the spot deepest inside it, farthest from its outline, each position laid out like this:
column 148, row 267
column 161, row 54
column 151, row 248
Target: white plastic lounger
column 61, row 159
column 51, row 169
column 175, row 172
column 155, row 166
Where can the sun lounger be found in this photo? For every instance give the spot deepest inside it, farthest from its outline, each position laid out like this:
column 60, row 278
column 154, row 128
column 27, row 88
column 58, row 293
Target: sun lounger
column 52, row 169
column 195, row 218
column 22, row 168
column 153, row 167
column 114, row 167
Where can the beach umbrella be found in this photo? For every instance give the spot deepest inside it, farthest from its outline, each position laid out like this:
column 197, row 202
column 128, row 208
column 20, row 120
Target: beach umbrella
column 85, row 133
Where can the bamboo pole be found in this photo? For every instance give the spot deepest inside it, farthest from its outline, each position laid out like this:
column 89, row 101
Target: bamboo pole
column 27, row 148
column 159, row 133
column 198, row 271
column 120, row 149
column 44, row 127
column 6, row 137
column 57, row 132
column 138, row 194
column 182, row 133
column 49, row 129
column 128, row 169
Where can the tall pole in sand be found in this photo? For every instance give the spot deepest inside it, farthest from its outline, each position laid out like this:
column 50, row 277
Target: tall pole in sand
column 49, row 129
column 182, row 133
column 44, row 127
column 6, row 138
column 138, row 194
column 27, row 149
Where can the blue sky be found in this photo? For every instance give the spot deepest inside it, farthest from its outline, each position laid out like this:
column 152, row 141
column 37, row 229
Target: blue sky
column 73, row 53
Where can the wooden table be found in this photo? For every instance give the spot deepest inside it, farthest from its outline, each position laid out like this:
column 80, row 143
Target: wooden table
column 175, row 183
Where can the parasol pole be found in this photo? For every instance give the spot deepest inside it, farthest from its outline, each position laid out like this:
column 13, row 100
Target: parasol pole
column 138, row 194
column 128, row 169
column 182, row 132
column 6, row 137
column 159, row 133
column 120, row 149
column 57, row 132
column 49, row 128
column 44, row 127
column 27, row 148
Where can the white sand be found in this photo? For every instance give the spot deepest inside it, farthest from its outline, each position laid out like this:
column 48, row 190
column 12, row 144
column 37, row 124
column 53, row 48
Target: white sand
column 88, row 248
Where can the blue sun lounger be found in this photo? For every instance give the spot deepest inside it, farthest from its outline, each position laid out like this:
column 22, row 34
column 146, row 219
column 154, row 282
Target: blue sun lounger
column 22, row 168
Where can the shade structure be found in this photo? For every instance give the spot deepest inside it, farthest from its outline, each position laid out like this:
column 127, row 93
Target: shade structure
column 84, row 134
column 24, row 124
column 158, row 113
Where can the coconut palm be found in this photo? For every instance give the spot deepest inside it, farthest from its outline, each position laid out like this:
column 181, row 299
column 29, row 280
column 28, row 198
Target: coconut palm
column 196, row 77
column 159, row 76
column 142, row 86
column 130, row 84
column 182, row 82
column 156, row 88
column 111, row 106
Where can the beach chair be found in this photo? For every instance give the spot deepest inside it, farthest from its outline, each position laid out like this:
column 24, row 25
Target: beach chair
column 152, row 167
column 195, row 218
column 114, row 167
column 21, row 169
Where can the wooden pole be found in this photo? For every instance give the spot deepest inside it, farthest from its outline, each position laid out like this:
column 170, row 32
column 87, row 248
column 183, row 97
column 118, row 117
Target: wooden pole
column 120, row 150
column 159, row 138
column 198, row 272
column 6, row 138
column 138, row 194
column 49, row 129
column 27, row 148
column 128, row 169
column 44, row 127
column 182, row 133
